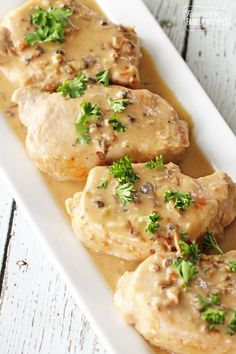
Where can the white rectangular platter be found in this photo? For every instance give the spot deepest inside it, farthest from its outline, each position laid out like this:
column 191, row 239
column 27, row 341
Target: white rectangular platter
column 47, row 219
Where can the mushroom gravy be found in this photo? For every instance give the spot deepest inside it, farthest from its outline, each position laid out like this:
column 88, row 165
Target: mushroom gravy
column 194, row 164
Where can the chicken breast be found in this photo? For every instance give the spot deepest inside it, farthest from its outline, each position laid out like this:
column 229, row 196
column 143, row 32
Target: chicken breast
column 151, row 127
column 170, row 315
column 104, row 224
column 92, row 43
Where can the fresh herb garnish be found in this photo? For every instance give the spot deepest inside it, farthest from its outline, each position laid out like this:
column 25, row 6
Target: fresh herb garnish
column 209, row 242
column 204, row 302
column 184, row 234
column 185, row 265
column 50, row 25
column 118, row 106
column 89, row 111
column 103, row 77
column 125, row 192
column 153, row 223
column 116, row 125
column 231, row 328
column 185, row 269
column 181, row 200
column 74, row 88
column 157, row 163
column 102, row 185
column 190, row 250
column 213, row 317
column 215, row 299
column 123, row 170
column 232, row 266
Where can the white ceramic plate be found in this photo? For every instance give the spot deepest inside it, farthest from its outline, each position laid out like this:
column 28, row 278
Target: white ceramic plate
column 46, row 218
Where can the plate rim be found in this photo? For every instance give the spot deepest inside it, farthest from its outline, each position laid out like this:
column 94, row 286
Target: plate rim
column 111, row 327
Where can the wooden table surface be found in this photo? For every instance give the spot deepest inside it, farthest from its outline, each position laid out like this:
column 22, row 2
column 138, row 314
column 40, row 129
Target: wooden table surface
column 37, row 313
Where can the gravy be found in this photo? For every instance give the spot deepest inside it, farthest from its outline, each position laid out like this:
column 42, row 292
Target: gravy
column 194, row 164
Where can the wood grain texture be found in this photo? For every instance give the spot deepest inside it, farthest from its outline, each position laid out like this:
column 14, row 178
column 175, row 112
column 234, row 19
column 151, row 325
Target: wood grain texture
column 5, row 212
column 211, row 55
column 170, row 15
column 37, row 313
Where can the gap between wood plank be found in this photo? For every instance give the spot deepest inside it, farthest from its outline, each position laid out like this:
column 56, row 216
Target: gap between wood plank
column 185, row 46
column 8, row 238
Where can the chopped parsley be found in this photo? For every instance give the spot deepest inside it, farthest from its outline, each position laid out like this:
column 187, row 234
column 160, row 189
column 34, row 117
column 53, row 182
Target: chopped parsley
column 231, row 328
column 103, row 77
column 185, row 265
column 123, row 171
column 184, row 234
column 190, row 250
column 209, row 242
column 103, row 185
column 181, row 200
column 232, row 266
column 50, row 25
column 116, row 125
column 74, row 88
column 213, row 317
column 125, row 192
column 153, row 223
column 185, row 269
column 204, row 302
column 157, row 163
column 89, row 111
column 118, row 106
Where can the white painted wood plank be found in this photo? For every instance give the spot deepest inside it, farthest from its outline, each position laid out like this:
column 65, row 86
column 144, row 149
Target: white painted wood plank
column 170, row 15
column 211, row 56
column 37, row 314
column 5, row 211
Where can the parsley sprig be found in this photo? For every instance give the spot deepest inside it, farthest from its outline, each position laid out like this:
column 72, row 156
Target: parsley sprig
column 209, row 243
column 89, row 111
column 213, row 317
column 103, row 185
column 74, row 88
column 185, row 269
column 232, row 266
column 204, row 302
column 191, row 251
column 157, row 163
column 231, row 328
column 125, row 192
column 153, row 222
column 103, row 77
column 185, row 265
column 118, row 106
column 50, row 25
column 116, row 125
column 123, row 171
column 181, row 200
